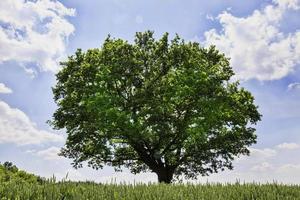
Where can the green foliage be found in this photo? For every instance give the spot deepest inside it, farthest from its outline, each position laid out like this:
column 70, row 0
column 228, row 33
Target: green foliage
column 158, row 105
column 10, row 173
column 92, row 191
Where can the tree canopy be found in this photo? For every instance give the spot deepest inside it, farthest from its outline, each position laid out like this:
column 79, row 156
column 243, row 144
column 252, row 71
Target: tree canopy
column 169, row 107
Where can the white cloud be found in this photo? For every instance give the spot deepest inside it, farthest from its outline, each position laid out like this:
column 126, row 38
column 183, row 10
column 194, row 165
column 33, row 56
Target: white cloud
column 4, row 89
column 262, row 153
column 210, row 17
column 50, row 153
column 262, row 167
column 287, row 168
column 288, row 146
column 294, row 4
column 17, row 128
column 294, row 86
column 255, row 44
column 256, row 157
column 34, row 31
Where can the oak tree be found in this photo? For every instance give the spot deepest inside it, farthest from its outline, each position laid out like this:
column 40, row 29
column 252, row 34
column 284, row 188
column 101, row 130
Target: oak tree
column 169, row 107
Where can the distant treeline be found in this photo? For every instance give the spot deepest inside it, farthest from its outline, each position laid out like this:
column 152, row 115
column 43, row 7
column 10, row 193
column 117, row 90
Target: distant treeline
column 10, row 172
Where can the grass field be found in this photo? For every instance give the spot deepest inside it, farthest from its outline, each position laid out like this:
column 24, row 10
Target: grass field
column 88, row 190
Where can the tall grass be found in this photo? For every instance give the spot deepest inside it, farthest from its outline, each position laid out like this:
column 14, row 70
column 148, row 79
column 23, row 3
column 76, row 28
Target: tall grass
column 88, row 191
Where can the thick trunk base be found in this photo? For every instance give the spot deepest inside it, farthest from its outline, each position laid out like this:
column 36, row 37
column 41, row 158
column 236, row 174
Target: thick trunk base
column 164, row 176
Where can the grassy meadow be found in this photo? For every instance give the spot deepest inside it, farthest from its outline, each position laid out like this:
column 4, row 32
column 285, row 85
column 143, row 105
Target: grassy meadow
column 21, row 190
column 16, row 184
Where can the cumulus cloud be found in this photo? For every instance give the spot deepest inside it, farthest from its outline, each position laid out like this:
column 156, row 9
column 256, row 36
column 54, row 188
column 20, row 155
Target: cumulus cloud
column 262, row 167
column 17, row 128
column 50, row 153
column 255, row 44
column 289, row 168
column 262, row 153
column 34, row 32
column 288, row 146
column 294, row 86
column 4, row 89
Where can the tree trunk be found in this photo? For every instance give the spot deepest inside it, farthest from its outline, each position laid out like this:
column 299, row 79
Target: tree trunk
column 165, row 175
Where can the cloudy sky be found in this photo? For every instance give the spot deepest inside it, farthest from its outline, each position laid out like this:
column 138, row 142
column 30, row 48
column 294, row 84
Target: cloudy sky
column 262, row 38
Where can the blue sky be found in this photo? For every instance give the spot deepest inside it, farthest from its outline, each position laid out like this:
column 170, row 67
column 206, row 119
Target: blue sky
column 262, row 38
